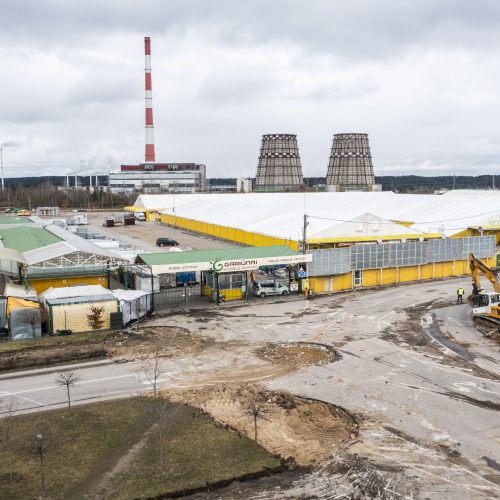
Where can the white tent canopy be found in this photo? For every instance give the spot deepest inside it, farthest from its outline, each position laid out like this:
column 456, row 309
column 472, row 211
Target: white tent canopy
column 281, row 214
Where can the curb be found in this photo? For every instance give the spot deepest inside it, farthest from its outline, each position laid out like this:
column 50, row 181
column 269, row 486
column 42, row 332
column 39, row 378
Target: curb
column 54, row 369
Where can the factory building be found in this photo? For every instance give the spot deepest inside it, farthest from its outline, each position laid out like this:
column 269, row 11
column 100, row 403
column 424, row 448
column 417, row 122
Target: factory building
column 356, row 239
column 159, row 178
column 279, row 167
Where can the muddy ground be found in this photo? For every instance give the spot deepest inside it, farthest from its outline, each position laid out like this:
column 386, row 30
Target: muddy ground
column 298, row 429
column 390, row 393
column 124, row 345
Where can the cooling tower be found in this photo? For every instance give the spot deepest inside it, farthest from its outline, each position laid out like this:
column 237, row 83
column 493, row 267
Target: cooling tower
column 279, row 166
column 350, row 167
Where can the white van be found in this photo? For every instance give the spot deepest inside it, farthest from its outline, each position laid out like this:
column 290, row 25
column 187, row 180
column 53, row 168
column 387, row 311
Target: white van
column 140, row 216
column 264, row 288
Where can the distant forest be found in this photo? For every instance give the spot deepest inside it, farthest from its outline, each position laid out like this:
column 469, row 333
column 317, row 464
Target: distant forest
column 35, row 191
column 403, row 183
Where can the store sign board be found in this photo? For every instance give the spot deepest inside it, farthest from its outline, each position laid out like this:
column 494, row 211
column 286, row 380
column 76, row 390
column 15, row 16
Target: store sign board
column 226, row 266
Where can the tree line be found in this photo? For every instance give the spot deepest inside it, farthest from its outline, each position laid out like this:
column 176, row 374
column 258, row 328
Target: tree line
column 46, row 194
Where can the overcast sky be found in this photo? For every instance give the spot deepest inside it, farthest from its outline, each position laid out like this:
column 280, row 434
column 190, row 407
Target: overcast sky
column 422, row 78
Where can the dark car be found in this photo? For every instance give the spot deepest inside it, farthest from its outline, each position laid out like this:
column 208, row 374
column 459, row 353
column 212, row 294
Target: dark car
column 166, row 242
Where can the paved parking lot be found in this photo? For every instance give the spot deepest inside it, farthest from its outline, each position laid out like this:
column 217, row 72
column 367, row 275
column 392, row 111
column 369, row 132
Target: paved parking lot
column 143, row 235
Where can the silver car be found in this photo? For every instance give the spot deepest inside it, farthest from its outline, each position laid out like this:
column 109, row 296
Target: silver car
column 263, row 288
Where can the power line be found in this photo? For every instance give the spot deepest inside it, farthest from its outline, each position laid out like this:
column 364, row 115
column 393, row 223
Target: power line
column 413, row 223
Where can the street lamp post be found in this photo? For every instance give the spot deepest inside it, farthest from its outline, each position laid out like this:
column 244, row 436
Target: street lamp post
column 40, row 448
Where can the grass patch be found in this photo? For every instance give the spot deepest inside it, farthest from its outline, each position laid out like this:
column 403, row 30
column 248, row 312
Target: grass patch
column 9, row 346
column 196, row 452
column 86, row 444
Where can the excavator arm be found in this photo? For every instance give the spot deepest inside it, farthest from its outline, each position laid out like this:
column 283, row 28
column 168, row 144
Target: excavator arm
column 477, row 266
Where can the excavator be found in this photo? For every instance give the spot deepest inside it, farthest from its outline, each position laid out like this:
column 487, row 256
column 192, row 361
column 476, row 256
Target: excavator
column 485, row 305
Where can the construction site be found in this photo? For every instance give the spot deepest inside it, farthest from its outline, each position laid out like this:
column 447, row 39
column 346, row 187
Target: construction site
column 279, row 343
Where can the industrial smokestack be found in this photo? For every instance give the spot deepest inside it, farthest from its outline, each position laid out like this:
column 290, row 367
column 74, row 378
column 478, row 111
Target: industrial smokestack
column 150, row 146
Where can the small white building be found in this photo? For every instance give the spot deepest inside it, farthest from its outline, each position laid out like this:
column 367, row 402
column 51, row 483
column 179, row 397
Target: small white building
column 244, row 185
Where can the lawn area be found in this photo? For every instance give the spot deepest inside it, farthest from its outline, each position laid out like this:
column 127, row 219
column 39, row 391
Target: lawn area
column 9, row 346
column 125, row 437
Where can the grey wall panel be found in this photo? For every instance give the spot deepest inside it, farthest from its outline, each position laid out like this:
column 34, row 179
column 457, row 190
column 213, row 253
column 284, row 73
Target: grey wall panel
column 398, row 254
column 329, row 261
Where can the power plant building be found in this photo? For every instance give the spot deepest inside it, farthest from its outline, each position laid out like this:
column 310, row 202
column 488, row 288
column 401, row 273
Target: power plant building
column 350, row 167
column 279, row 167
column 150, row 176
column 155, row 178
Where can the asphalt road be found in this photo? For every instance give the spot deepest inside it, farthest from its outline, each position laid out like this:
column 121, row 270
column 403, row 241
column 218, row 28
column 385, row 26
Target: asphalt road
column 424, row 384
column 38, row 390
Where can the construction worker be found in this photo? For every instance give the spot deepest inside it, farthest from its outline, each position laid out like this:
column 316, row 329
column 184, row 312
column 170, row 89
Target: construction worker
column 460, row 294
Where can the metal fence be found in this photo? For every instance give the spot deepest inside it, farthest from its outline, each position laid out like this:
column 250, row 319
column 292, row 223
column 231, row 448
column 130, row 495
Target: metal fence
column 181, row 296
column 398, row 254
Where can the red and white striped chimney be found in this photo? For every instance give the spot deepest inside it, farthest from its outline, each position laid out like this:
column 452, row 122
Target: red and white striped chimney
column 150, row 145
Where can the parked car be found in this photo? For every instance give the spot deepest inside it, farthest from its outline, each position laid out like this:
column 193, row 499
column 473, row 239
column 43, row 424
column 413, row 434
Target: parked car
column 264, row 288
column 166, row 242
column 140, row 216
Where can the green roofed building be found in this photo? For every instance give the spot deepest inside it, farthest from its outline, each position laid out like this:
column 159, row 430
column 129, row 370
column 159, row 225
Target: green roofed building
column 50, row 256
column 23, row 239
column 223, row 271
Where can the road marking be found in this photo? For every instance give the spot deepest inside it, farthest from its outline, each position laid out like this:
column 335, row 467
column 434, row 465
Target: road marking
column 78, row 383
column 23, row 397
column 106, row 378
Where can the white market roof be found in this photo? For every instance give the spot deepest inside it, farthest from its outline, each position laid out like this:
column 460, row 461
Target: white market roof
column 281, row 214
column 88, row 292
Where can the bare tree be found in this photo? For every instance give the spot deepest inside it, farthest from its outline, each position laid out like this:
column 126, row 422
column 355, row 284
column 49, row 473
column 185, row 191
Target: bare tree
column 152, row 369
column 67, row 380
column 39, row 445
column 94, row 318
column 7, row 431
column 256, row 409
column 162, row 413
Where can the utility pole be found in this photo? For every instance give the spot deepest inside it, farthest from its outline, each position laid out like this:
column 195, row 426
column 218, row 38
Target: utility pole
column 1, row 167
column 304, row 234
column 454, row 178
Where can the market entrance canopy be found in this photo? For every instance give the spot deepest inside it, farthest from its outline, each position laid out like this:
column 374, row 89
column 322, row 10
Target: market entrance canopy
column 222, row 260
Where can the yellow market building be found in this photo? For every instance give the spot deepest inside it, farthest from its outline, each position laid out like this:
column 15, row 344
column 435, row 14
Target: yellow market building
column 357, row 239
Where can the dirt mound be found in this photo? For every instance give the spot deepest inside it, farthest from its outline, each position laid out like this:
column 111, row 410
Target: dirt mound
column 309, row 431
column 299, row 353
column 166, row 340
column 128, row 344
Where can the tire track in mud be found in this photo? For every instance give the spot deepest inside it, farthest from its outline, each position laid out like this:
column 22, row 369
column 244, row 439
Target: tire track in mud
column 421, row 330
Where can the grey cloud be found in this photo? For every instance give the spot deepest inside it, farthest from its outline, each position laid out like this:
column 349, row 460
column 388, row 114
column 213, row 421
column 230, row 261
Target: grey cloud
column 225, row 72
column 356, row 29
